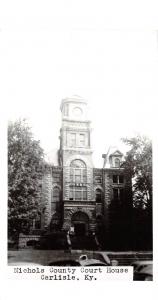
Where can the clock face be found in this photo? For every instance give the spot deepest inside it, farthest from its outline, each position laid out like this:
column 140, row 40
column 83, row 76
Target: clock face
column 77, row 111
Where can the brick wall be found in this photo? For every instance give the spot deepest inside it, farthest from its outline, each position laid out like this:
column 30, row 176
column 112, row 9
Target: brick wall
column 50, row 180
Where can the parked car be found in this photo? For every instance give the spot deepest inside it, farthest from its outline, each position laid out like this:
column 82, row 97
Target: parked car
column 143, row 270
column 59, row 258
column 82, row 261
column 139, row 264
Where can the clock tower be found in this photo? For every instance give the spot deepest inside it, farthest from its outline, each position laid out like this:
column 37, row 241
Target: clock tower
column 76, row 160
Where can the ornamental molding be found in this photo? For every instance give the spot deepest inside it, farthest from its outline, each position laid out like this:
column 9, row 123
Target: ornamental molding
column 76, row 157
column 72, row 122
column 56, row 185
column 76, row 128
column 70, row 151
column 98, row 187
column 74, row 210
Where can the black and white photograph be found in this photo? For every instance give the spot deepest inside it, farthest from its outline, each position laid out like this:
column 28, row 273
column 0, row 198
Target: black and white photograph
column 66, row 208
column 78, row 133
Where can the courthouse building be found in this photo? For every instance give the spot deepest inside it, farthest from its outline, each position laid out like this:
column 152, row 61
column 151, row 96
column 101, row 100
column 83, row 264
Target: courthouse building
column 76, row 197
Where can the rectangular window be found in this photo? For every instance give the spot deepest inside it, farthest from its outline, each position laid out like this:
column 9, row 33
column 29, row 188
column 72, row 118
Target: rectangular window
column 84, row 195
column 84, row 176
column 84, row 189
column 72, row 139
column 115, row 179
column 57, row 207
column 81, row 140
column 37, row 224
column 71, row 175
column 121, row 178
column 118, row 179
column 71, row 194
column 84, row 179
column 53, row 207
column 78, row 194
column 98, row 179
column 78, row 171
column 118, row 194
column 78, row 175
column 77, row 178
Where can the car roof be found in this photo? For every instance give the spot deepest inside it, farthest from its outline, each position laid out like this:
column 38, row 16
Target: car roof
column 64, row 262
column 141, row 262
column 24, row 263
column 100, row 256
column 92, row 262
column 147, row 270
column 84, row 263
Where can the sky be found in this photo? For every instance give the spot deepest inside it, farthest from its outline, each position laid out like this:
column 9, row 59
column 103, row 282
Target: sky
column 53, row 56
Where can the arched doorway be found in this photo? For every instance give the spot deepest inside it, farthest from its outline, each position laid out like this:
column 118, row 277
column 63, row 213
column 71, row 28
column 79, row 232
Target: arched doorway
column 80, row 223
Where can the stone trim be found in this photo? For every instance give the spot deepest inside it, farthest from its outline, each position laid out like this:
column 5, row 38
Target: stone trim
column 98, row 187
column 80, row 157
column 72, row 211
column 56, row 185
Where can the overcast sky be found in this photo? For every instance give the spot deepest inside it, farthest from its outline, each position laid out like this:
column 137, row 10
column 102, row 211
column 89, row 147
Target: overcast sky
column 47, row 60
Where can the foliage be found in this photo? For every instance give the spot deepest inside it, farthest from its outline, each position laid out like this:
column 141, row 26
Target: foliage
column 25, row 161
column 138, row 163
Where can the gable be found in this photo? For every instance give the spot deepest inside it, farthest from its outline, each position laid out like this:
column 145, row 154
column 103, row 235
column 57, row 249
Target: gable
column 116, row 153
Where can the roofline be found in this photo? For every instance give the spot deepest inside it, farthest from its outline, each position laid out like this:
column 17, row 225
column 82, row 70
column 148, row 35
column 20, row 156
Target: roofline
column 73, row 99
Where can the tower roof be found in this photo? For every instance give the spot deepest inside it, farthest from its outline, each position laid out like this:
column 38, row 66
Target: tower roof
column 74, row 98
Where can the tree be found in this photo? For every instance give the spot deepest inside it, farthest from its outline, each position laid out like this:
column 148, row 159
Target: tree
column 138, row 163
column 25, row 162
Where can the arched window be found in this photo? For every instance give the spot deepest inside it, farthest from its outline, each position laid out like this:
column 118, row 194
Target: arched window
column 117, row 163
column 78, row 171
column 55, row 199
column 78, row 180
column 98, row 196
column 56, row 194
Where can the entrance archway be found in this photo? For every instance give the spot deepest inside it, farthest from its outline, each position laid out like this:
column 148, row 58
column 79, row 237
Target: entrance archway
column 80, row 223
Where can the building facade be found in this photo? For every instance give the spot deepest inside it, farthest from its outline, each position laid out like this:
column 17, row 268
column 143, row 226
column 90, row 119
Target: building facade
column 78, row 198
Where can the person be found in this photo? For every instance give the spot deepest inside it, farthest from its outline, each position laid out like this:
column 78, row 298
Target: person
column 68, row 240
column 96, row 241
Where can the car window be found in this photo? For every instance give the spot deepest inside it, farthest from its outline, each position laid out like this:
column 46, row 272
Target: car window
column 95, row 264
column 65, row 263
column 142, row 266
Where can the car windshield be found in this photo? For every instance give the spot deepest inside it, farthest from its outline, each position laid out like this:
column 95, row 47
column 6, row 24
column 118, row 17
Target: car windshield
column 95, row 264
column 140, row 268
column 65, row 263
